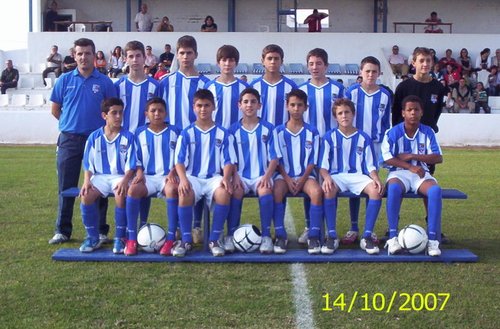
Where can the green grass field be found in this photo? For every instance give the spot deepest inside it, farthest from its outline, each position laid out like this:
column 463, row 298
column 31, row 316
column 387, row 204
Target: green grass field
column 36, row 292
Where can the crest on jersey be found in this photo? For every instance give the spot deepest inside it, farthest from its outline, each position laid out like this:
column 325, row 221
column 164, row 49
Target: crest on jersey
column 434, row 98
column 264, row 138
column 381, row 108
column 150, row 95
column 335, row 96
column 309, row 145
column 96, row 88
column 421, row 148
column 172, row 145
column 218, row 142
column 123, row 148
column 359, row 150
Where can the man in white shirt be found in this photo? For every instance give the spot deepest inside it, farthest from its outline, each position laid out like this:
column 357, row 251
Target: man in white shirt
column 143, row 19
column 398, row 62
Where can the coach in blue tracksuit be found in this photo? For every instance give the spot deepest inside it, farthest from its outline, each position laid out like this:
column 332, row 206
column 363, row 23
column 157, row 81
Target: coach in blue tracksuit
column 76, row 101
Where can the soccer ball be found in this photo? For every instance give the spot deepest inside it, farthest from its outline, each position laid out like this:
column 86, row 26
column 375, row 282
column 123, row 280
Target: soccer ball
column 247, row 238
column 151, row 237
column 413, row 238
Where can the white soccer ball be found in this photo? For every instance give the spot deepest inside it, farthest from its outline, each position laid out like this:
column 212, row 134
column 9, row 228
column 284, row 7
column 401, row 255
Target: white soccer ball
column 247, row 238
column 413, row 238
column 151, row 237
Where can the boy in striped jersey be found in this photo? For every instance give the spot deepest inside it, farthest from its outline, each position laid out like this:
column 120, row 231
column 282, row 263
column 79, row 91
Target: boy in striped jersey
column 347, row 163
column 373, row 109
column 298, row 143
column 408, row 149
column 155, row 147
column 226, row 88
column 135, row 90
column 257, row 162
column 273, row 86
column 204, row 161
column 109, row 162
column 321, row 93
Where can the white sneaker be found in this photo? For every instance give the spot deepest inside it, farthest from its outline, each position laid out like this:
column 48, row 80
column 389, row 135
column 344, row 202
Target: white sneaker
column 216, row 249
column 280, row 246
column 58, row 238
column 433, row 248
column 303, row 237
column 393, row 246
column 330, row 246
column 266, row 246
column 103, row 239
column 313, row 246
column 228, row 243
column 368, row 245
column 180, row 249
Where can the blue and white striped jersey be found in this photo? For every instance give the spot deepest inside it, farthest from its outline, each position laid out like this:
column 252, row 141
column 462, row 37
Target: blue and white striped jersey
column 155, row 151
column 205, row 153
column 226, row 98
column 178, row 92
column 273, row 99
column 135, row 97
column 320, row 100
column 347, row 154
column 396, row 142
column 372, row 111
column 255, row 149
column 113, row 157
column 298, row 150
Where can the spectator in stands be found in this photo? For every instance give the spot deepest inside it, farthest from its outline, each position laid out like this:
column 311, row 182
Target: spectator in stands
column 359, row 79
column 481, row 99
column 451, row 76
column 494, row 81
column 314, row 21
column 100, row 62
column 447, row 59
column 69, row 63
column 462, row 96
column 165, row 25
column 9, row 78
column 54, row 61
column 51, row 16
column 398, row 62
column 434, row 21
column 151, row 61
column 447, row 99
column 433, row 55
column 116, row 62
column 209, row 25
column 167, row 57
column 244, row 78
column 483, row 63
column 161, row 71
column 143, row 19
column 495, row 60
column 465, row 61
column 436, row 72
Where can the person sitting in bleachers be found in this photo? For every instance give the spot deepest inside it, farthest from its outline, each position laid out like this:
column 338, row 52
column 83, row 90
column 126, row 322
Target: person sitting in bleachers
column 100, row 62
column 447, row 59
column 495, row 60
column 436, row 72
column 69, row 63
column 165, row 25
column 462, row 96
column 483, row 63
column 480, row 96
column 398, row 62
column 451, row 76
column 151, row 61
column 465, row 61
column 433, row 27
column 116, row 62
column 54, row 61
column 9, row 78
column 494, row 81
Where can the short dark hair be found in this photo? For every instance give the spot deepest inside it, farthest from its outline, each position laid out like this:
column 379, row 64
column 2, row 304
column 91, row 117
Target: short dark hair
column 412, row 99
column 228, row 51
column 300, row 94
column 204, row 94
column 251, row 91
column 370, row 60
column 318, row 52
column 343, row 102
column 155, row 100
column 187, row 41
column 107, row 103
column 135, row 45
column 84, row 42
column 272, row 48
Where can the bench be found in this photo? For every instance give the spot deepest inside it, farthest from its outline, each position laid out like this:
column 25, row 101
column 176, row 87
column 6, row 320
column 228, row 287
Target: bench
column 447, row 193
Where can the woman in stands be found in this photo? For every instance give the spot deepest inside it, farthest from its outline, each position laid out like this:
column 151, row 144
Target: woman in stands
column 209, row 25
column 465, row 61
column 100, row 62
column 116, row 62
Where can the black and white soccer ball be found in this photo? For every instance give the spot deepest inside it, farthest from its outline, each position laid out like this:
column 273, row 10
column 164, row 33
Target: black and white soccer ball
column 247, row 238
column 151, row 237
column 413, row 238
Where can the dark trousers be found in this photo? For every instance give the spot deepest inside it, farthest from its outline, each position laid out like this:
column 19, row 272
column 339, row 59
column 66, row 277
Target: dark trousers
column 45, row 73
column 7, row 85
column 70, row 148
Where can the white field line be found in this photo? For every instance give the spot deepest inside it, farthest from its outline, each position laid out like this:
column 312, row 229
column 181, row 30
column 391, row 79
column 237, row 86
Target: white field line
column 302, row 300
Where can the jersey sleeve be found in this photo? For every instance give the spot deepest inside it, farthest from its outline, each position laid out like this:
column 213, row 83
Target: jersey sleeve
column 387, row 147
column 228, row 151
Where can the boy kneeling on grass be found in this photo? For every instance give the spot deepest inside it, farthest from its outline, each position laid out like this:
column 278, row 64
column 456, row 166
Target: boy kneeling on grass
column 109, row 163
column 408, row 148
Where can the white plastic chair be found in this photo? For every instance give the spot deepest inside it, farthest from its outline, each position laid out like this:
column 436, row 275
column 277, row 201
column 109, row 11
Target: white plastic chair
column 26, row 82
column 36, row 100
column 18, row 100
column 76, row 27
column 4, row 100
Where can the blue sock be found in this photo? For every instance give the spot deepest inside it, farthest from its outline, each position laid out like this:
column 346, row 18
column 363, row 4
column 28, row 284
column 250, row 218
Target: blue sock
column 372, row 210
column 220, row 215
column 132, row 209
column 316, row 215
column 354, row 204
column 394, row 197
column 185, row 220
column 145, row 205
column 279, row 220
column 198, row 212
column 330, row 212
column 266, row 204
column 90, row 219
column 307, row 211
column 234, row 217
column 172, row 217
column 434, row 207
column 121, row 224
